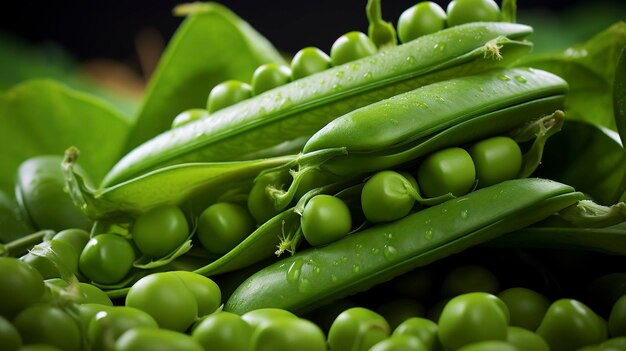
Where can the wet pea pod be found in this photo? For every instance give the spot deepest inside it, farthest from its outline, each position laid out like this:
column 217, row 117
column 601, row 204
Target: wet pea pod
column 398, row 130
column 171, row 185
column 318, row 275
column 262, row 124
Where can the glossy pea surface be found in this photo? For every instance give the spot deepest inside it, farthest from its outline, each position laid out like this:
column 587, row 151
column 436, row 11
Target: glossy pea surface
column 270, row 76
column 224, row 225
column 496, row 159
column 106, row 259
column 450, row 170
column 465, row 11
column 223, row 331
column 308, row 61
column 160, row 230
column 423, row 18
column 325, row 219
column 357, row 329
column 387, row 196
column 228, row 93
column 526, row 307
column 351, row 46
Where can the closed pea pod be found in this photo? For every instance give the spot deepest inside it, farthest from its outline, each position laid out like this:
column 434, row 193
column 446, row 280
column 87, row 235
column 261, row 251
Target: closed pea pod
column 394, row 248
column 298, row 109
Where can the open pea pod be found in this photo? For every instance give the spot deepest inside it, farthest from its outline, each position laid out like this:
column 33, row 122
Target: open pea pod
column 280, row 120
column 397, row 131
column 319, row 275
column 168, row 185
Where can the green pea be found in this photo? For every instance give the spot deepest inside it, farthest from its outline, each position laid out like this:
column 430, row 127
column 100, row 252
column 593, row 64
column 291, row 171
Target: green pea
column 351, row 46
column 270, row 76
column 424, row 18
column 569, row 324
column 308, row 61
column 446, row 171
column 187, row 116
column 10, row 338
column 421, row 328
column 106, row 326
column 357, row 329
column 287, row 334
column 228, row 93
column 257, row 318
column 496, row 159
column 57, row 256
column 527, row 307
column 325, row 219
column 76, row 237
column 18, row 276
column 165, row 297
column 526, row 340
column 106, row 259
column 207, row 293
column 260, row 204
column 160, row 230
column 618, row 343
column 465, row 11
column 48, row 324
column 617, row 318
column 150, row 339
column 223, row 225
column 223, row 331
column 472, row 318
column 387, row 196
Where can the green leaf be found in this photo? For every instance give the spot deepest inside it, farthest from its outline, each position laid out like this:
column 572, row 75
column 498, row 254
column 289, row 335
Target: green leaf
column 589, row 69
column 44, row 117
column 210, row 46
column 587, row 157
column 619, row 96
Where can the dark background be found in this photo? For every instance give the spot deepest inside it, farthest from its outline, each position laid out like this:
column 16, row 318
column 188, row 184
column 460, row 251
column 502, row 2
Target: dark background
column 95, row 29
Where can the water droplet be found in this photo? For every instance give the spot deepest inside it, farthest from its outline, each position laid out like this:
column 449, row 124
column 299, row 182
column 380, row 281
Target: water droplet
column 356, row 268
column 464, row 214
column 444, row 210
column 440, row 100
column 339, row 74
column 388, row 236
column 355, row 66
column 367, row 75
column 440, row 46
column 344, row 258
column 504, row 77
column 293, row 273
column 333, row 277
column 427, row 222
column 316, row 270
column 428, row 235
column 337, row 86
column 304, row 285
column 390, row 252
column 335, row 263
column 375, row 250
column 520, row 79
column 421, row 105
column 410, row 60
column 373, row 61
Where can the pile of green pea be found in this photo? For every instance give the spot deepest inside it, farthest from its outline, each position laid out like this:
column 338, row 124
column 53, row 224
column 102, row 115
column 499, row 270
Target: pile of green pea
column 180, row 310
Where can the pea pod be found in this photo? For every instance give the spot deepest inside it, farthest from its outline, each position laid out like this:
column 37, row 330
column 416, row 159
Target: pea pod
column 400, row 129
column 169, row 185
column 312, row 277
column 266, row 124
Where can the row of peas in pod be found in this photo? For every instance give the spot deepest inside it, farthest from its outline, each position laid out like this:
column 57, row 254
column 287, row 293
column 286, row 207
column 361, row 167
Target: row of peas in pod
column 426, row 17
column 390, row 195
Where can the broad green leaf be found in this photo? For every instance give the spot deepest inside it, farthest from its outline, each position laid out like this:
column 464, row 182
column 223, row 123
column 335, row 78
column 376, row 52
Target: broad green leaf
column 587, row 157
column 45, row 117
column 589, row 69
column 210, row 46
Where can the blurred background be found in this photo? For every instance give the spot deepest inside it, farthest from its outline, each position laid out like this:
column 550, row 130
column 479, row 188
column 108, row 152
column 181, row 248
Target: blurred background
column 117, row 43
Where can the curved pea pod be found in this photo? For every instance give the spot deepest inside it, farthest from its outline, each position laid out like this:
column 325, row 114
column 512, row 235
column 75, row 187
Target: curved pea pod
column 443, row 114
column 280, row 120
column 319, row 275
column 169, row 185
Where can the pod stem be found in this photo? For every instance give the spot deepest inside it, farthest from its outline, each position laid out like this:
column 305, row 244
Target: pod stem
column 541, row 129
column 21, row 246
column 589, row 214
column 382, row 33
column 509, row 11
column 429, row 201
